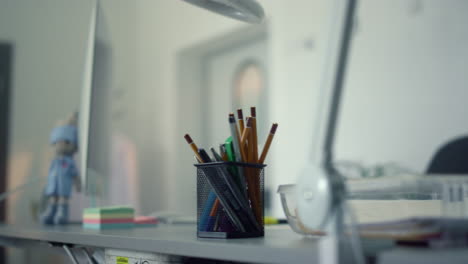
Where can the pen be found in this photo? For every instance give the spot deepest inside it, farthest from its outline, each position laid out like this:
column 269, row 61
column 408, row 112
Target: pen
column 245, row 213
column 221, row 190
column 216, row 155
column 204, row 156
column 268, row 143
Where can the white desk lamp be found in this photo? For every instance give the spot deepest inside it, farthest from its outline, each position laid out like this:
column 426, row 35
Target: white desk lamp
column 321, row 189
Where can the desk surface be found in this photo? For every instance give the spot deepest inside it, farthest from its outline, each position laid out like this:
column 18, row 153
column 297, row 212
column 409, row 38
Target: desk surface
column 280, row 244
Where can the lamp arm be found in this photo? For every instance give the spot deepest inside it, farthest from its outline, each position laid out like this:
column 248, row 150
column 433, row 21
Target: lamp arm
column 338, row 82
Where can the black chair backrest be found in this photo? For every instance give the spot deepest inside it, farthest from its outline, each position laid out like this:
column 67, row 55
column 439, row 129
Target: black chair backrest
column 452, row 158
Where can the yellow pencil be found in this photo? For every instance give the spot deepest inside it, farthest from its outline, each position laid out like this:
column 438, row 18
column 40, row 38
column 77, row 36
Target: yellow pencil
column 245, row 132
column 268, row 143
column 253, row 112
column 240, row 119
column 250, row 151
column 194, row 147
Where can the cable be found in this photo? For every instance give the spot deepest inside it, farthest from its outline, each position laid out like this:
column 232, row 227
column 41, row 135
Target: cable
column 88, row 256
column 70, row 254
column 6, row 194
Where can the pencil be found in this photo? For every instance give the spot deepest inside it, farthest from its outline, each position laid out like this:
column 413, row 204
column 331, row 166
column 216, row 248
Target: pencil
column 253, row 113
column 250, row 173
column 268, row 143
column 222, row 150
column 246, row 131
column 193, row 146
column 240, row 119
column 215, row 208
column 250, row 156
column 212, row 217
column 255, row 173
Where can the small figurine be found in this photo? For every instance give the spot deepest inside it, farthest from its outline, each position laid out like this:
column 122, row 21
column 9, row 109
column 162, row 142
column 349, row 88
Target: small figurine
column 62, row 173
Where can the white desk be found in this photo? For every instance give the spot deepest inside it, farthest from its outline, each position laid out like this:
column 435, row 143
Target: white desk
column 280, row 245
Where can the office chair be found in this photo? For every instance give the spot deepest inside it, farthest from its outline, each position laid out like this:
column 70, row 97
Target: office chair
column 451, row 158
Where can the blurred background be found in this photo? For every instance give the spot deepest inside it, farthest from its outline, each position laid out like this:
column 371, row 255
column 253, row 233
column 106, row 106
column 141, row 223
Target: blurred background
column 163, row 68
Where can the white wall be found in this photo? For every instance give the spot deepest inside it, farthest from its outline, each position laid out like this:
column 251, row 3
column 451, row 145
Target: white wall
column 289, row 27
column 406, row 87
column 297, row 44
column 165, row 28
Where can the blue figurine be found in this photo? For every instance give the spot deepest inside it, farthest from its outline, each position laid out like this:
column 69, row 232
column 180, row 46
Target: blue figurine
column 63, row 173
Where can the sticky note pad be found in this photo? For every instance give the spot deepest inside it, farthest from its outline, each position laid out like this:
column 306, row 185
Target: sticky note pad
column 117, row 211
column 108, row 226
column 108, row 217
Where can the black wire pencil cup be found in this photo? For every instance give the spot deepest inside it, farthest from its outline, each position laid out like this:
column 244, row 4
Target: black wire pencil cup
column 230, row 186
column 224, row 209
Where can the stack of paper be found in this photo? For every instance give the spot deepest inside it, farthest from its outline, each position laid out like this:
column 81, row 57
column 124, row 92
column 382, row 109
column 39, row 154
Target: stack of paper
column 446, row 230
column 108, row 217
column 408, row 229
column 376, row 211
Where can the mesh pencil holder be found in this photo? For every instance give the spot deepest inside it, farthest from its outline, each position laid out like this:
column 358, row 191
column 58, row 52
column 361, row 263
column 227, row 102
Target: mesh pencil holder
column 230, row 200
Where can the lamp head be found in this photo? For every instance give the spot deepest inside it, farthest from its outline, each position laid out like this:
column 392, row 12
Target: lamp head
column 314, row 197
column 249, row 11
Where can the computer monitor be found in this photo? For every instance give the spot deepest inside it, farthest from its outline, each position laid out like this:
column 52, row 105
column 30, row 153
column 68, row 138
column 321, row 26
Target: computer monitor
column 94, row 119
column 107, row 157
column 86, row 95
